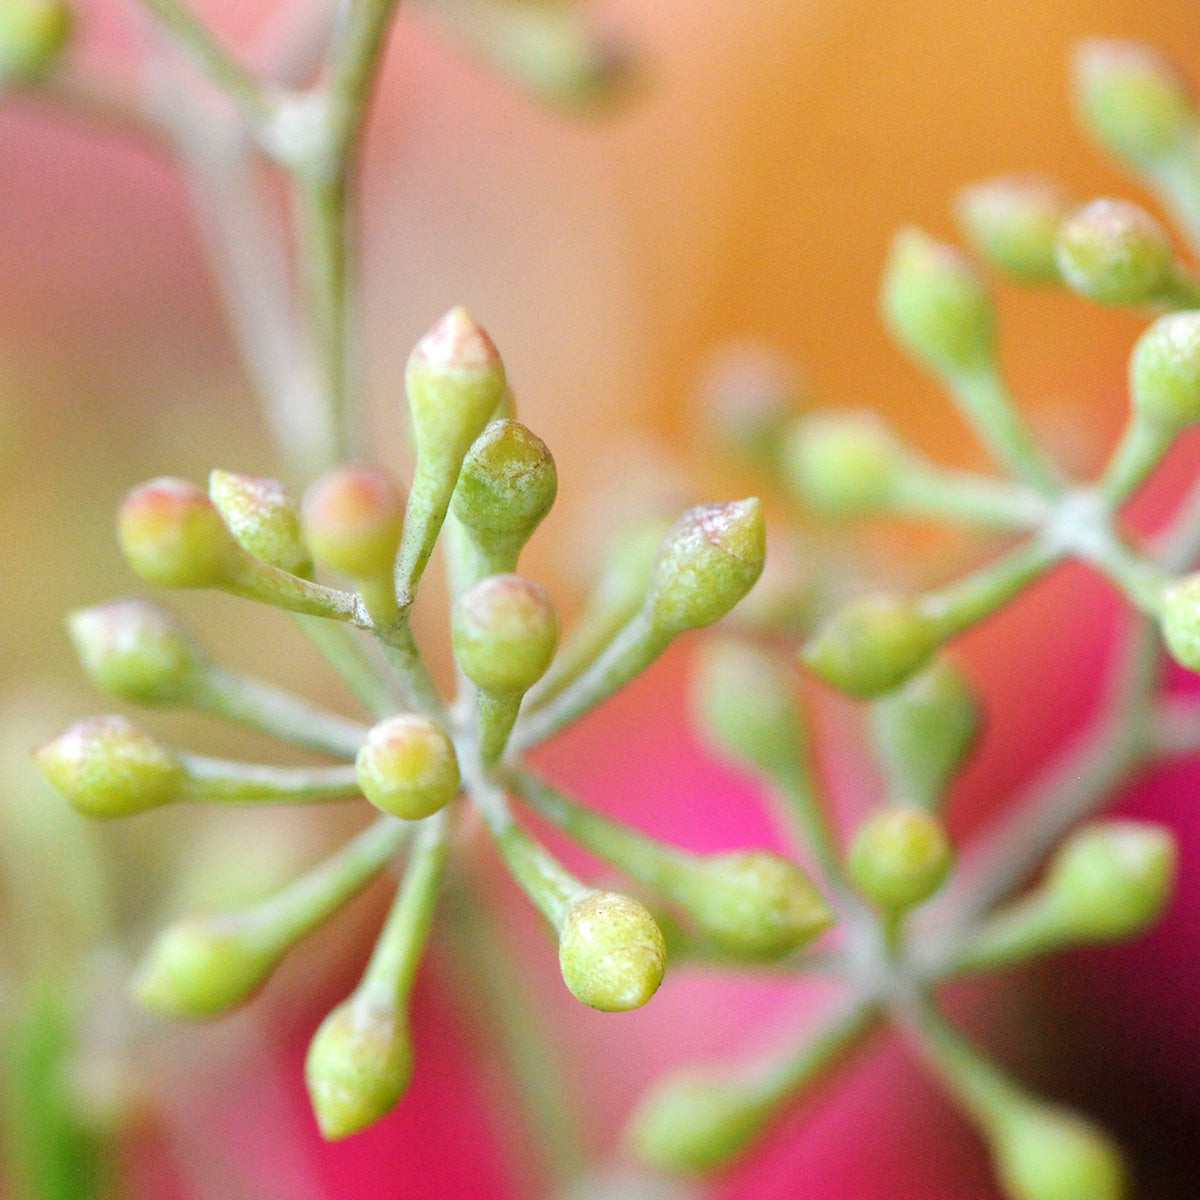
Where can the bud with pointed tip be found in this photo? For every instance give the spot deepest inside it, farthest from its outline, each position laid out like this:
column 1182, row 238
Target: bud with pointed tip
column 263, row 519
column 504, row 631
column 1164, row 372
column 408, row 767
column 1043, row 1152
column 352, row 520
column 842, row 464
column 107, row 767
column 899, row 857
column 33, row 34
column 1114, row 252
column 1013, row 224
column 611, row 952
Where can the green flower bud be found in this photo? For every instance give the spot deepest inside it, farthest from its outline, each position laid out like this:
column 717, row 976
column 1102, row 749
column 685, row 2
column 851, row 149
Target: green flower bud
column 1179, row 621
column 1164, row 372
column 504, row 631
column 507, row 485
column 33, row 34
column 1112, row 879
column 693, row 1123
column 899, row 857
column 708, row 560
column 203, row 967
column 352, row 519
column 407, row 767
column 841, row 464
column 611, row 952
column 171, row 534
column 136, row 651
column 1132, row 101
column 936, row 306
column 107, row 767
column 871, row 645
column 1114, row 252
column 1013, row 224
column 263, row 519
column 924, row 730
column 358, row 1065
column 1047, row 1153
column 744, row 704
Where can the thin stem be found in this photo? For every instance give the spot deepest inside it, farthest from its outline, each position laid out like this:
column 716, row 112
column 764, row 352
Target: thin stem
column 402, row 653
column 965, row 498
column 1177, row 183
column 1181, row 292
column 1019, row 933
column 1141, row 579
column 1140, row 450
column 92, row 96
column 219, row 779
column 337, row 645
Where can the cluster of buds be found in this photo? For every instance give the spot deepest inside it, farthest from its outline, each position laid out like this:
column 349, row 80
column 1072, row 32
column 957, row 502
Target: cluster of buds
column 482, row 483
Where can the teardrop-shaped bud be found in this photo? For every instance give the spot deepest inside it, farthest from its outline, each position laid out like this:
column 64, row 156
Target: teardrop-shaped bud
column 352, row 517
column 611, row 952
column 263, row 519
column 1013, row 223
column 1164, row 372
column 842, row 464
column 504, row 630
column 1114, row 252
column 1044, row 1152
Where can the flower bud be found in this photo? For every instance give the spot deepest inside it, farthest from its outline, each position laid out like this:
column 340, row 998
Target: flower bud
column 1013, row 224
column 507, row 485
column 841, row 464
column 611, row 952
column 171, row 534
column 899, row 857
column 936, row 306
column 747, row 397
column 407, row 767
column 924, row 730
column 107, row 767
column 1164, row 372
column 263, row 519
column 871, row 645
column 1132, row 101
column 1112, row 879
column 504, row 631
column 136, row 651
column 708, row 560
column 352, row 519
column 33, row 34
column 1114, row 252
column 358, row 1065
column 1043, row 1152
column 1179, row 621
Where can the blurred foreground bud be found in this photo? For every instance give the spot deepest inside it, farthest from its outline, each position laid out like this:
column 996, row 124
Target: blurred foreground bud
column 1046, row 1153
column 1132, row 101
column 841, row 464
column 1164, row 372
column 1179, row 620
column 172, row 534
column 408, row 767
column 1114, row 252
column 1013, row 223
column 611, row 952
column 504, row 631
column 107, row 767
column 748, row 396
column 136, row 651
column 352, row 520
column 899, row 857
column 33, row 34
column 263, row 519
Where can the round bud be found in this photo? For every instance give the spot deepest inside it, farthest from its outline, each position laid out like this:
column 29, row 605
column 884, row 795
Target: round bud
column 936, row 305
column 708, row 560
column 871, row 645
column 1112, row 879
column 504, row 631
column 1179, row 621
column 1114, row 252
column 841, row 464
column 1047, row 1153
column 263, row 519
column 136, row 651
column 407, row 767
column 899, row 857
column 33, row 34
column 611, row 952
column 1132, row 100
column 107, row 767
column 1013, row 224
column 359, row 1064
column 171, row 534
column 353, row 516
column 1164, row 371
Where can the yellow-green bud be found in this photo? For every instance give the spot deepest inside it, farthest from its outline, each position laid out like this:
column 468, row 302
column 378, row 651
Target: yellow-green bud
column 611, row 952
column 936, row 305
column 33, row 34
column 1112, row 879
column 1114, row 252
column 1164, row 372
column 871, row 645
column 841, row 464
column 263, row 519
column 924, row 730
column 136, row 651
column 1046, row 1153
column 407, row 767
column 107, row 767
column 708, row 560
column 1013, row 223
column 171, row 534
column 504, row 630
column 899, row 857
column 1179, row 620
column 352, row 519
column 1132, row 101
column 358, row 1066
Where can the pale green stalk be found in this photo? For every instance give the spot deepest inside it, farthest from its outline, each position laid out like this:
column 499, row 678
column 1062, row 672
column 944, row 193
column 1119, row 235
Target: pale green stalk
column 221, row 780
column 925, row 491
column 1140, row 450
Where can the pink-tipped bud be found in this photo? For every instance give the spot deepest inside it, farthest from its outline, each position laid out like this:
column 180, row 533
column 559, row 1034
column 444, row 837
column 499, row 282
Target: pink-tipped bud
column 263, row 518
column 408, row 767
column 353, row 516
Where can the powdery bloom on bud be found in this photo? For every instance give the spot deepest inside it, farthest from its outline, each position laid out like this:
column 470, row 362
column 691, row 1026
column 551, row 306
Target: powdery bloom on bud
column 107, row 767
column 841, row 464
column 1114, row 252
column 1164, row 372
column 611, row 952
column 899, row 857
column 708, row 560
column 33, row 35
column 408, row 767
column 504, row 630
column 1046, row 1153
column 1013, row 223
column 263, row 519
column 352, row 520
